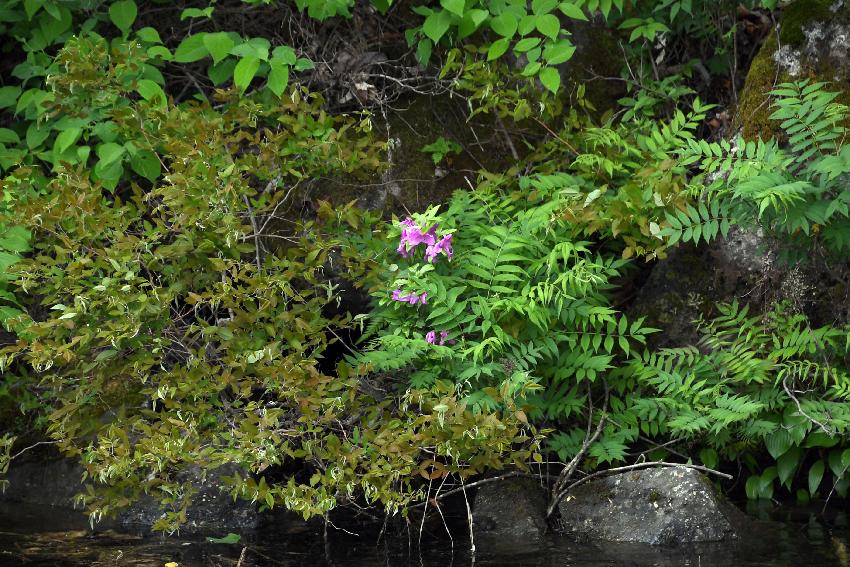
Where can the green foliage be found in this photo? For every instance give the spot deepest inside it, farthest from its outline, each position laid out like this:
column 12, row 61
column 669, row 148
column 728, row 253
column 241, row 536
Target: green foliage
column 797, row 193
column 773, row 384
column 441, row 149
column 522, row 304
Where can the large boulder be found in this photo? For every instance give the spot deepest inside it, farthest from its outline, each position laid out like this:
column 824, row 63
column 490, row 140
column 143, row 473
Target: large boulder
column 510, row 511
column 813, row 42
column 50, row 483
column 670, row 505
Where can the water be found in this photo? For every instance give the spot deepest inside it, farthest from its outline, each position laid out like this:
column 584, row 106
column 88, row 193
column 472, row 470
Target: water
column 41, row 537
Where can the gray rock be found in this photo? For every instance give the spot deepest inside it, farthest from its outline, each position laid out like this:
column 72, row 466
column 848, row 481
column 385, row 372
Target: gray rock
column 509, row 511
column 51, row 483
column 654, row 506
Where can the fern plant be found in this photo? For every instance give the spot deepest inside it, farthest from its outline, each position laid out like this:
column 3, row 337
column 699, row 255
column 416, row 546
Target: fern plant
column 522, row 303
column 796, row 191
column 754, row 384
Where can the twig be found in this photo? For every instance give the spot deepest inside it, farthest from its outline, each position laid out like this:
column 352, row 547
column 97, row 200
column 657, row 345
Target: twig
column 476, row 484
column 34, row 445
column 241, row 557
column 468, row 519
column 256, row 232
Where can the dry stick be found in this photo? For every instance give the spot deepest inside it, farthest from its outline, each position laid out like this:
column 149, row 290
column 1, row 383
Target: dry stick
column 256, row 232
column 241, row 557
column 424, row 513
column 440, row 510
column 475, row 484
column 468, row 519
column 558, row 491
column 507, row 137
column 800, row 408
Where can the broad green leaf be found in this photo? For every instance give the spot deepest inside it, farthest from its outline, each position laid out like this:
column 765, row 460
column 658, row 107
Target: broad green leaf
column 146, row 163
column 15, row 239
column 436, row 25
column 244, row 72
column 218, row 44
column 284, row 54
column 504, row 24
column 454, row 6
column 559, row 52
column 196, row 13
column 191, row 49
column 498, row 48
column 109, row 153
column 123, row 14
column 548, row 25
column 551, row 79
column 151, row 92
column 31, row 7
column 8, row 136
column 66, row 139
column 9, row 96
column 815, row 476
column 572, row 11
column 37, row 134
column 471, row 21
column 149, row 35
column 278, row 77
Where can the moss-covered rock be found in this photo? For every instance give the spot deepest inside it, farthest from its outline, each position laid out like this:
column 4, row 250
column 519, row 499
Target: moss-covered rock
column 813, row 42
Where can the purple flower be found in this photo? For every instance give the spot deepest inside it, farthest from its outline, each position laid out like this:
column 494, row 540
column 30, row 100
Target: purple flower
column 443, row 335
column 397, row 295
column 424, row 298
column 431, row 337
column 444, row 245
column 412, row 236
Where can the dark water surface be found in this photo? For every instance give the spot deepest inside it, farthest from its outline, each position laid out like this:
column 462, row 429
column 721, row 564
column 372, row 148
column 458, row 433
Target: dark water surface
column 37, row 536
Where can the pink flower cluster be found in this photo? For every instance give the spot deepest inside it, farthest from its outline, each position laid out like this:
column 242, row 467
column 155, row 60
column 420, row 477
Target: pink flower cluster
column 412, row 236
column 411, row 298
column 431, row 337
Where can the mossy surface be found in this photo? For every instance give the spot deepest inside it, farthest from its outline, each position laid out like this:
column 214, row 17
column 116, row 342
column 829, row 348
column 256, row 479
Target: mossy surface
column 796, row 15
column 753, row 112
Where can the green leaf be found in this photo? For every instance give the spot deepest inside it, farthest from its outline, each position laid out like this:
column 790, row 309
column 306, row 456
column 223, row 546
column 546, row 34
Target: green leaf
column 110, row 153
column 543, row 6
column 423, row 50
column 151, row 92
column 244, row 72
column 31, row 7
column 229, row 538
column 9, row 136
column 548, row 25
column 146, row 163
column 191, row 49
column 787, row 464
column 570, row 10
column 284, row 54
column 66, row 139
column 9, row 96
column 123, row 14
column 498, row 48
column 815, row 476
column 778, row 443
column 218, row 44
column 36, row 134
column 558, row 53
column 470, row 23
column 551, row 79
column 196, row 13
column 436, row 25
column 278, row 77
column 16, row 239
column 454, row 6
column 149, row 35
column 709, row 458
column 504, row 24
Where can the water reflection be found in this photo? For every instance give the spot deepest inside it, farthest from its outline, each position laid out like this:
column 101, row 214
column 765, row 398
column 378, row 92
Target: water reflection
column 780, row 537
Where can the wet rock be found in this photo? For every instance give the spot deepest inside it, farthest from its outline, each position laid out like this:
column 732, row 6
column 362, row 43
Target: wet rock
column 212, row 510
column 655, row 506
column 53, row 483
column 512, row 510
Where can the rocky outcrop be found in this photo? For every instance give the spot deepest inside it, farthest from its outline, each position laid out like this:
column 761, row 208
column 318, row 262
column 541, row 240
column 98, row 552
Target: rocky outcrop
column 813, row 42
column 654, row 506
column 53, row 483
column 509, row 512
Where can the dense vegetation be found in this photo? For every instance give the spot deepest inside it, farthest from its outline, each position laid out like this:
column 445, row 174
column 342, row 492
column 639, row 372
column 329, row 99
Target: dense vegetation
column 175, row 298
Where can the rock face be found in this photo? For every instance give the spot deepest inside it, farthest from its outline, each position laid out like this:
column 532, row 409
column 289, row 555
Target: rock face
column 51, row 483
column 813, row 42
column 656, row 506
column 510, row 511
